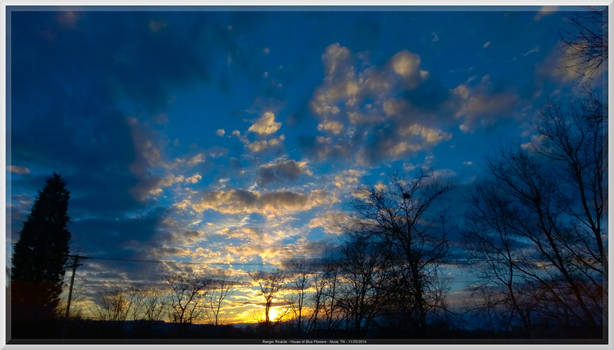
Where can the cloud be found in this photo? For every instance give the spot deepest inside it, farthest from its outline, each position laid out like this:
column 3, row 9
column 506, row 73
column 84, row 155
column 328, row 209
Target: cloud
column 332, row 126
column 429, row 135
column 193, row 179
column 263, row 145
column 405, row 63
column 337, row 60
column 16, row 169
column 220, row 132
column 347, row 179
column 196, row 159
column 281, row 170
column 265, row 125
column 567, row 64
column 534, row 144
column 374, row 112
column 480, row 104
column 434, row 37
column 486, row 44
column 274, row 202
column 333, row 222
column 344, row 87
column 117, row 237
column 244, row 233
column 533, row 50
column 545, row 11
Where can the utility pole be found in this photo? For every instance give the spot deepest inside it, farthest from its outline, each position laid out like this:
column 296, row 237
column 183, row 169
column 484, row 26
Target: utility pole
column 72, row 282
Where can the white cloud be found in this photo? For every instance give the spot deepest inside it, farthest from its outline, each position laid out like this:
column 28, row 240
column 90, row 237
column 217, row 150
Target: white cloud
column 220, row 132
column 197, row 159
column 486, row 44
column 265, row 125
column 533, row 50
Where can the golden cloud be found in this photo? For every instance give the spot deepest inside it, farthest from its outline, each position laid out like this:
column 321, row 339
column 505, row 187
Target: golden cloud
column 275, row 202
column 265, row 125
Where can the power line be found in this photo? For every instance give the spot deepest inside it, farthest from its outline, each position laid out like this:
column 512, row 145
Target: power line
column 163, row 261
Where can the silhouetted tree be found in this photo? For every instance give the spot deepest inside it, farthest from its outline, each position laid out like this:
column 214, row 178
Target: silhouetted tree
column 154, row 304
column 221, row 287
column 40, row 254
column 115, row 305
column 401, row 218
column 187, row 295
column 362, row 293
column 536, row 220
column 269, row 283
column 491, row 240
column 330, row 285
column 586, row 42
column 299, row 272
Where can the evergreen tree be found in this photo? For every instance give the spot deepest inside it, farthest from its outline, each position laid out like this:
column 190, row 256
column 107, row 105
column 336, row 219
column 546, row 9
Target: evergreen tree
column 40, row 254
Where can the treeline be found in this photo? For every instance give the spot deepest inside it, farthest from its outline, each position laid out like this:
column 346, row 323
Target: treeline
column 533, row 229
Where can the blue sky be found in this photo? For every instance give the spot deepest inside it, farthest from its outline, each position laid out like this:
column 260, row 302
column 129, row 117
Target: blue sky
column 242, row 137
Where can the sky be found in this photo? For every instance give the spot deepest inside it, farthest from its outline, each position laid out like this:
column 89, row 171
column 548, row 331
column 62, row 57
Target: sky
column 238, row 139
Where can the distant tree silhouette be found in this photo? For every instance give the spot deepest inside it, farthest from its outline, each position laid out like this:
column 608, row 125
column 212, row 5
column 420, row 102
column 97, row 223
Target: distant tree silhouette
column 40, row 254
column 115, row 305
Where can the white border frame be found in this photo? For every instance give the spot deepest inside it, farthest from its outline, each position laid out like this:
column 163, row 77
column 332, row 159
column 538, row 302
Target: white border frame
column 285, row 3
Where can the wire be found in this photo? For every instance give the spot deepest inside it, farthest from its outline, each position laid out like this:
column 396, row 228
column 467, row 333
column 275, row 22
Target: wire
column 161, row 261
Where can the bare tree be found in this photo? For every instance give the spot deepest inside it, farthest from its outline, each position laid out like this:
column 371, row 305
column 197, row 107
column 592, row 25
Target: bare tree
column 299, row 272
column 403, row 219
column 362, row 293
column 154, row 305
column 270, row 283
column 490, row 238
column 187, row 295
column 574, row 138
column 587, row 42
column 536, row 218
column 221, row 287
column 114, row 306
column 317, row 299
